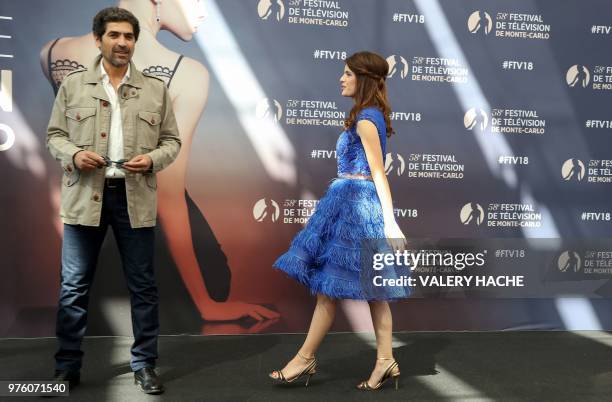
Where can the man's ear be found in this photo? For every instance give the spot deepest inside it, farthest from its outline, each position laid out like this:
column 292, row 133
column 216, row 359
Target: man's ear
column 98, row 40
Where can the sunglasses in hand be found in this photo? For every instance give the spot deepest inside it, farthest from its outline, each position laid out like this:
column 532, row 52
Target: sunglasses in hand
column 109, row 163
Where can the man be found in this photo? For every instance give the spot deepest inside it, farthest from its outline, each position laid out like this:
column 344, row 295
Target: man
column 112, row 128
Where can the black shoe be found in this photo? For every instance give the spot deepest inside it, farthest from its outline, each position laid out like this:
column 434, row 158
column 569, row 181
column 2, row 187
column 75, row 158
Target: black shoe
column 148, row 380
column 73, row 377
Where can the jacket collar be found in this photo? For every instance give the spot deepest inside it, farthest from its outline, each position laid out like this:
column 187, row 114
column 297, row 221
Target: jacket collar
column 106, row 78
column 93, row 75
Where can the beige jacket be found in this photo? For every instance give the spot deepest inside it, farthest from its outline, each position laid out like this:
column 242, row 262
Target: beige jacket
column 81, row 119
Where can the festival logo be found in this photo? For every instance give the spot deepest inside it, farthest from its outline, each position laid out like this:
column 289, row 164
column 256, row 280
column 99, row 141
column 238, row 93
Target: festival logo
column 578, row 76
column 266, row 209
column 569, row 261
column 480, row 22
column 396, row 164
column 472, row 214
column 476, row 119
column 269, row 9
column 269, row 108
column 394, row 67
column 573, row 169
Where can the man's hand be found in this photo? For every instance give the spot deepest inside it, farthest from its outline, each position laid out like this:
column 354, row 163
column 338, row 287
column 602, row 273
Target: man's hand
column 87, row 160
column 138, row 164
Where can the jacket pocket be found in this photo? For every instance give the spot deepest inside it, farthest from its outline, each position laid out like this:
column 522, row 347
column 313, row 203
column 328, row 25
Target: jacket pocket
column 148, row 129
column 81, row 124
column 71, row 178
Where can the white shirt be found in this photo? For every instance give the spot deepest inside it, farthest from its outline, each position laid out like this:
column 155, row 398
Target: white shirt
column 115, row 137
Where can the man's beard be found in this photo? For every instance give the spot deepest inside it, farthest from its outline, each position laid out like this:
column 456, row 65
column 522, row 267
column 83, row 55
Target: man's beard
column 117, row 62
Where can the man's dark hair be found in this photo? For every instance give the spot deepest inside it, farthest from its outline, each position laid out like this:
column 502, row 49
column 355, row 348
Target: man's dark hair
column 114, row 14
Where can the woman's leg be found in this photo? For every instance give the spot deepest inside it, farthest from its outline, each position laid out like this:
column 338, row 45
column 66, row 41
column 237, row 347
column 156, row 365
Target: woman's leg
column 383, row 328
column 322, row 319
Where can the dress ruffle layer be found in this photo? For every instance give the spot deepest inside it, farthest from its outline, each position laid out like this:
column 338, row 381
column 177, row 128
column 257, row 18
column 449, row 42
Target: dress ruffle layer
column 326, row 255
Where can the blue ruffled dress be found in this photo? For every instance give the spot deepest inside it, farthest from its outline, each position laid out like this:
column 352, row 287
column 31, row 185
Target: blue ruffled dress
column 327, row 255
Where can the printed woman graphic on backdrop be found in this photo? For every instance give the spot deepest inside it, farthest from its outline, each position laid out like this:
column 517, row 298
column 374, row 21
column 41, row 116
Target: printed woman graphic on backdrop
column 187, row 81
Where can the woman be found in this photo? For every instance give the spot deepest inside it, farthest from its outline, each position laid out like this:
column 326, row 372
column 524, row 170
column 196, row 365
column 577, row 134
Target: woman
column 325, row 255
column 187, row 82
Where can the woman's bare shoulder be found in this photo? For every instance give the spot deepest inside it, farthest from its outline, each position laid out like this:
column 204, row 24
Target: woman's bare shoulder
column 74, row 48
column 193, row 68
column 191, row 76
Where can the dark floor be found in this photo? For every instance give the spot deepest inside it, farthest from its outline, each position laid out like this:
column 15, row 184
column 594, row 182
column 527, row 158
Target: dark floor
column 449, row 366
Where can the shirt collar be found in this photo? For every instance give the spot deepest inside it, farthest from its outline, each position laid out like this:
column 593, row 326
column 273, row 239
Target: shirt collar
column 106, row 78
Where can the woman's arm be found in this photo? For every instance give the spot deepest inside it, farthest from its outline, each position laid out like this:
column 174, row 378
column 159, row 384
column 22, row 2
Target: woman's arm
column 44, row 54
column 371, row 144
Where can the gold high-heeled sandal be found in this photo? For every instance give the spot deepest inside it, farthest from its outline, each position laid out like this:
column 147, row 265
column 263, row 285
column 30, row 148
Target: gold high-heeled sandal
column 390, row 372
column 309, row 370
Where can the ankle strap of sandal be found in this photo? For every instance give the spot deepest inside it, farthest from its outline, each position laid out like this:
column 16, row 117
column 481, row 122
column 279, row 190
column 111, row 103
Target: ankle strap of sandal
column 305, row 358
column 385, row 358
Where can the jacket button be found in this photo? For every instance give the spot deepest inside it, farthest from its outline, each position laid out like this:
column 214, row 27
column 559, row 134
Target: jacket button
column 103, row 135
column 78, row 117
column 105, row 104
column 69, row 168
column 133, row 92
column 96, row 197
column 152, row 121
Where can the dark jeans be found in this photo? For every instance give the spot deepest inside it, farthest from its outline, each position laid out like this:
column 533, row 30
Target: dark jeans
column 80, row 250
